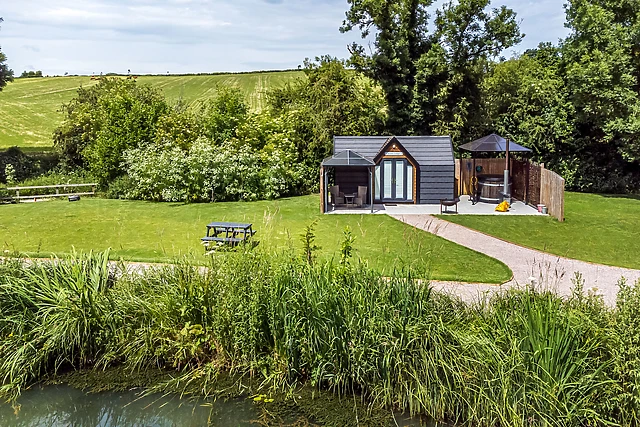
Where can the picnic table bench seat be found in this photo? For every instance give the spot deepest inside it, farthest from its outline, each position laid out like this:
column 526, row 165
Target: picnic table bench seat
column 222, row 239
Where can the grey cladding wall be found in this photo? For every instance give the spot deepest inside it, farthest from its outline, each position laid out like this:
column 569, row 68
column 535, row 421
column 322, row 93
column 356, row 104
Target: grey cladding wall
column 434, row 155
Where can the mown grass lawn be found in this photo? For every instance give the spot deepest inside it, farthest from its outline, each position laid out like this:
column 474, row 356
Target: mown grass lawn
column 604, row 229
column 162, row 232
column 30, row 108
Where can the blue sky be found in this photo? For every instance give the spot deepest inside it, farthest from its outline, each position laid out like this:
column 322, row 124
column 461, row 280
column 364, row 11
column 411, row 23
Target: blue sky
column 182, row 36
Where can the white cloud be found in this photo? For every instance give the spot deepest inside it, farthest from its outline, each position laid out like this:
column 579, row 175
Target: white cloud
column 153, row 36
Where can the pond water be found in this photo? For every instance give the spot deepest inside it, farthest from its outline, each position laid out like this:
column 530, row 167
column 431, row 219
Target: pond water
column 65, row 406
column 57, row 406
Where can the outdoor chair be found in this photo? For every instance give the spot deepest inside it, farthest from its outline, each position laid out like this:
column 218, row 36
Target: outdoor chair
column 362, row 196
column 337, row 198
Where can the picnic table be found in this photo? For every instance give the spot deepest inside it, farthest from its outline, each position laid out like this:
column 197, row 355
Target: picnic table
column 231, row 233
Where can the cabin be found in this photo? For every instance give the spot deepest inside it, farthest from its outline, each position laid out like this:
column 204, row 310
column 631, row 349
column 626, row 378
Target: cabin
column 368, row 170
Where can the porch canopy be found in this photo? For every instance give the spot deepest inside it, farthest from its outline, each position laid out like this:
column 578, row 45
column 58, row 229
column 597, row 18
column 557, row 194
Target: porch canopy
column 347, row 158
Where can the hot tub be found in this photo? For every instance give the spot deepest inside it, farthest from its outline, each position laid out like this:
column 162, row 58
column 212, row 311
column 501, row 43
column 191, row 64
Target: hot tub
column 491, row 188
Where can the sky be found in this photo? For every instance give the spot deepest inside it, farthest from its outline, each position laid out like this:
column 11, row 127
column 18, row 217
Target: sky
column 191, row 36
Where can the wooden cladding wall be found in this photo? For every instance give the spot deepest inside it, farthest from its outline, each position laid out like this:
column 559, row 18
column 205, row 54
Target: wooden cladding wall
column 552, row 193
column 464, row 171
column 531, row 183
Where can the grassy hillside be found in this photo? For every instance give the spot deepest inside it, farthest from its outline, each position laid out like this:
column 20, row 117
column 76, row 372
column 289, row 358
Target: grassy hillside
column 29, row 108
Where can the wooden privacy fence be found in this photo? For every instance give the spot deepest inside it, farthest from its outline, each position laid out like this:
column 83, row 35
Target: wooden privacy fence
column 530, row 182
column 489, row 167
column 552, row 193
column 64, row 187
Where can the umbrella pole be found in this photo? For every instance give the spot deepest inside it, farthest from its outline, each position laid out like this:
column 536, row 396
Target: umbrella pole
column 474, row 181
column 507, row 190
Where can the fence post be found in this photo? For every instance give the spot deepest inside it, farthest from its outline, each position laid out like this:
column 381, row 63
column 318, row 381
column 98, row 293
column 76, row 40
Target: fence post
column 527, row 166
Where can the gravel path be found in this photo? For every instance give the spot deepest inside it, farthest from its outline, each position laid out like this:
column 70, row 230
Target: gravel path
column 529, row 267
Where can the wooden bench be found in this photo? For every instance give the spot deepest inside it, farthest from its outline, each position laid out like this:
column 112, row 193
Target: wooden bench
column 448, row 203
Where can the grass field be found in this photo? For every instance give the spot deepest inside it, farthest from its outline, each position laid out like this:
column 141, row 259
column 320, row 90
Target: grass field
column 604, row 229
column 142, row 231
column 29, row 108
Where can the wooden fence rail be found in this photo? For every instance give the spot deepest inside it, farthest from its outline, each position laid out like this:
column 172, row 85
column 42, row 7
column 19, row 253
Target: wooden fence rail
column 64, row 187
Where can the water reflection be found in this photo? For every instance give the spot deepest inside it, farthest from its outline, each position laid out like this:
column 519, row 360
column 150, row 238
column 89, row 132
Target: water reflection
column 66, row 406
column 57, row 406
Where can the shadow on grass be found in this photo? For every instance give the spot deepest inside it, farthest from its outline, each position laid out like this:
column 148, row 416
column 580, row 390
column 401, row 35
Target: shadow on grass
column 619, row 196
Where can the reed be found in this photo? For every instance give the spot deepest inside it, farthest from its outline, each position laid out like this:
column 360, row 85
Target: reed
column 521, row 358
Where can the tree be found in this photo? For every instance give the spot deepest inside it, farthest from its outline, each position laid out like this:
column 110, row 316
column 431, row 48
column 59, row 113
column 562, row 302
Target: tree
column 223, row 114
column 466, row 38
column 601, row 64
column 331, row 100
column 6, row 74
column 30, row 74
column 401, row 38
column 431, row 80
column 105, row 120
column 526, row 98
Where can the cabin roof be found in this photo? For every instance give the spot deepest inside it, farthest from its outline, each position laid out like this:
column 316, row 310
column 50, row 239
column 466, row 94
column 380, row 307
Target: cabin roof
column 426, row 150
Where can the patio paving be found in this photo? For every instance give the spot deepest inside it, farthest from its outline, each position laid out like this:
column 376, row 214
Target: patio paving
column 465, row 207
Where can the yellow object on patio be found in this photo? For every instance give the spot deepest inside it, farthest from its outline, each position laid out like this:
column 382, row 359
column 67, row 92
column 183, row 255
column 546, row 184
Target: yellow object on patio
column 502, row 207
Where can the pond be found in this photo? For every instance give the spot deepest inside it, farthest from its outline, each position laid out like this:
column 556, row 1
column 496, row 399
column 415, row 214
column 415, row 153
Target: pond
column 60, row 405
column 66, row 406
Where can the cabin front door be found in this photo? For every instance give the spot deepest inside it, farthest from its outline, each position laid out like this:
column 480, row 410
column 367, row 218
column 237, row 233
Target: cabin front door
column 397, row 185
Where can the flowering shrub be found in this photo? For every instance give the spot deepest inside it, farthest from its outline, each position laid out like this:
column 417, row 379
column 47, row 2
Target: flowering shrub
column 231, row 171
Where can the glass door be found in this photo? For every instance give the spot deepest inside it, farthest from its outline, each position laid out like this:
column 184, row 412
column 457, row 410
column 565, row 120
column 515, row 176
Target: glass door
column 396, row 180
column 399, row 170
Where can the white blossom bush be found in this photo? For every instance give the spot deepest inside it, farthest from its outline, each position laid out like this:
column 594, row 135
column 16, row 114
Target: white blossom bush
column 261, row 163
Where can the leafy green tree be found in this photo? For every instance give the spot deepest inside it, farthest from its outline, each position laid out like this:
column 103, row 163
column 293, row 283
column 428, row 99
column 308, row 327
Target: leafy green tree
column 105, row 120
column 401, row 38
column 466, row 37
column 431, row 80
column 526, row 98
column 6, row 74
column 30, row 74
column 181, row 126
column 331, row 100
column 222, row 115
column 600, row 64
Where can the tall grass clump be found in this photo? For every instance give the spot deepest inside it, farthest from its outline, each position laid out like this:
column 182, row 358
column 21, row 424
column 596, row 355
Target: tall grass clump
column 521, row 358
column 53, row 314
